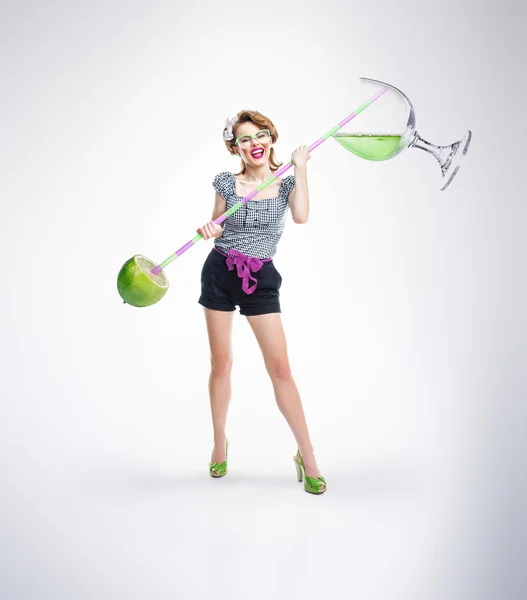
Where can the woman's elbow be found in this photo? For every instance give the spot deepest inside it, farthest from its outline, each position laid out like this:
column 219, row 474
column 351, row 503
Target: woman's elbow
column 301, row 220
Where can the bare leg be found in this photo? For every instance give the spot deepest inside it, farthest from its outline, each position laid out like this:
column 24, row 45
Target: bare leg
column 219, row 328
column 271, row 339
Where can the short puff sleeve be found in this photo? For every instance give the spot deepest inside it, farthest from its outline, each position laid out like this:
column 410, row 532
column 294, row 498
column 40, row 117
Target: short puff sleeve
column 221, row 184
column 288, row 184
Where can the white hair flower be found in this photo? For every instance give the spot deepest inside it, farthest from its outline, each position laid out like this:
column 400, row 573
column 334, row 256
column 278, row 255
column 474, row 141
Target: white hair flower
column 227, row 130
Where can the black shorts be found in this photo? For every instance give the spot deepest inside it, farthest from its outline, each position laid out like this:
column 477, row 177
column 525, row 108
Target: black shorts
column 221, row 289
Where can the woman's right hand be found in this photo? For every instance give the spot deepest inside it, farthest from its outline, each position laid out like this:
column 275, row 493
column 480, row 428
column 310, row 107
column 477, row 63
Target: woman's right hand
column 210, row 229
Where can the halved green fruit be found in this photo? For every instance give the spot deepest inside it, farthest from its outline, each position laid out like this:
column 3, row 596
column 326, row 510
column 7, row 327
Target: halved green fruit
column 137, row 285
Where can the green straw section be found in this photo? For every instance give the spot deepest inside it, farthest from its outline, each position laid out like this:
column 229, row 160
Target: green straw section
column 330, row 132
column 265, row 183
column 234, row 208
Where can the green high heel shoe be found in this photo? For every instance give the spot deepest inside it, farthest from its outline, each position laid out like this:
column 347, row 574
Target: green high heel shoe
column 222, row 467
column 311, row 484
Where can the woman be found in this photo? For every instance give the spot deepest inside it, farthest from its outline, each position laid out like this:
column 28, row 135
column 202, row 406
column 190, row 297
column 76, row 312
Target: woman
column 240, row 271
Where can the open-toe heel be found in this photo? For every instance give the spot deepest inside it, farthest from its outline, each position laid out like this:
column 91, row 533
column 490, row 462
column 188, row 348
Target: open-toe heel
column 311, row 485
column 222, row 467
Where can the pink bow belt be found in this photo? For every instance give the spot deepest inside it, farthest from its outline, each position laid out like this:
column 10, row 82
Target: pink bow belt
column 245, row 265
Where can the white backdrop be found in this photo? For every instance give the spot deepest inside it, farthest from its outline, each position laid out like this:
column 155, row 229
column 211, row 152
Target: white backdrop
column 404, row 306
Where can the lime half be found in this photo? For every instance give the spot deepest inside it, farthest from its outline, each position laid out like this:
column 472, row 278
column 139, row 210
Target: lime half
column 137, row 285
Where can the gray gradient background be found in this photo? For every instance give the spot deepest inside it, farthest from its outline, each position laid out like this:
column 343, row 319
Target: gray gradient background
column 409, row 350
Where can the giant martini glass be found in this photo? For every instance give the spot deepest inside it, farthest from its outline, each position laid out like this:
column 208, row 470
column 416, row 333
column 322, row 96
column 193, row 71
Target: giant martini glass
column 397, row 116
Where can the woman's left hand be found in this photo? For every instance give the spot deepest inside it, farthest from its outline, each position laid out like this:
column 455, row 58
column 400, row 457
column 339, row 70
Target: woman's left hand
column 300, row 156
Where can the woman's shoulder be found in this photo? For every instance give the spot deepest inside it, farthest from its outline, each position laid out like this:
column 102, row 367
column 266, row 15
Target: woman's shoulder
column 223, row 182
column 288, row 183
column 223, row 176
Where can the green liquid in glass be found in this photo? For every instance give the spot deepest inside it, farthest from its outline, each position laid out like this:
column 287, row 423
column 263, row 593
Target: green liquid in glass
column 369, row 145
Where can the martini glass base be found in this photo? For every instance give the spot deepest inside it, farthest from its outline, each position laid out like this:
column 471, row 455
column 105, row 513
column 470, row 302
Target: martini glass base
column 455, row 158
column 448, row 157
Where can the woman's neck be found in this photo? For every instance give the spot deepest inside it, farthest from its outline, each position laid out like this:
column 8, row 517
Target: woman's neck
column 257, row 174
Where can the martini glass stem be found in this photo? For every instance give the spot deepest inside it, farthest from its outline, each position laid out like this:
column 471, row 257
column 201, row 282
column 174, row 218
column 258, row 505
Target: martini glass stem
column 443, row 154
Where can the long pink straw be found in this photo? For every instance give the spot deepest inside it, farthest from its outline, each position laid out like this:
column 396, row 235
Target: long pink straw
column 267, row 182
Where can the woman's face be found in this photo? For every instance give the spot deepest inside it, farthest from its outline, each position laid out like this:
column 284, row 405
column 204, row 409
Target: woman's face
column 257, row 151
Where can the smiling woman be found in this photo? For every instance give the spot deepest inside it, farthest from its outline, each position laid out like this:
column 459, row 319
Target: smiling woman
column 243, row 250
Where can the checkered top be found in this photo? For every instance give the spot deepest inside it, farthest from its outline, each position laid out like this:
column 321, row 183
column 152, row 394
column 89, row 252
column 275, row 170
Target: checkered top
column 257, row 226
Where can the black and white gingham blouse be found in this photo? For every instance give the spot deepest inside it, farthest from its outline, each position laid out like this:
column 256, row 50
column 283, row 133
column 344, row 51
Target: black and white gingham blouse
column 257, row 226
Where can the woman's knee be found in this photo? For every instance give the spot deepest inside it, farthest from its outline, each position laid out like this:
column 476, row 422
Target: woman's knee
column 279, row 368
column 221, row 365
